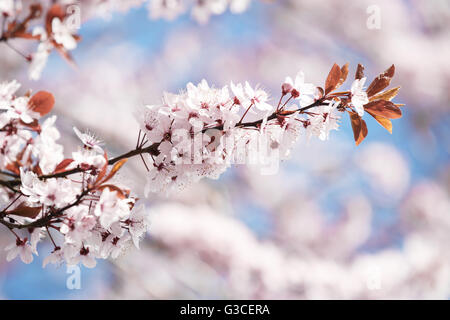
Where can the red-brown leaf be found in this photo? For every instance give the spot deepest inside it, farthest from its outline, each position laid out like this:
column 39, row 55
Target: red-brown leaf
column 63, row 165
column 37, row 169
column 17, row 29
column 383, row 108
column 386, row 123
column 359, row 72
column 115, row 168
column 13, row 167
column 320, row 92
column 42, row 102
column 344, row 74
column 65, row 54
column 102, row 172
column 333, row 79
column 381, row 82
column 56, row 11
column 359, row 127
column 23, row 210
column 35, row 11
column 386, row 95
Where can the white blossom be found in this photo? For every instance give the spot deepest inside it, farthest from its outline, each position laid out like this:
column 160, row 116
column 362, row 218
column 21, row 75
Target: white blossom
column 7, row 91
column 166, row 9
column 86, row 257
column 46, row 148
column 301, row 90
column 89, row 140
column 21, row 248
column 324, row 119
column 63, row 35
column 111, row 209
column 86, row 158
column 9, row 7
column 39, row 60
column 359, row 96
column 138, row 224
column 56, row 257
column 50, row 192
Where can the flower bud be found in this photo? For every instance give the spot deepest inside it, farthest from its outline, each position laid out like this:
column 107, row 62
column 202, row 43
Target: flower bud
column 295, row 93
column 286, row 88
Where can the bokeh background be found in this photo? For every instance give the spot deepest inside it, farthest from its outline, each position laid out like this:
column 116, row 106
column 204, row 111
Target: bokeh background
column 336, row 221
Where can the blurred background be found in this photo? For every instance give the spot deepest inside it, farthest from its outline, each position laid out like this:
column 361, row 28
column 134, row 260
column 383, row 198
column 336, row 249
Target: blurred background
column 336, row 222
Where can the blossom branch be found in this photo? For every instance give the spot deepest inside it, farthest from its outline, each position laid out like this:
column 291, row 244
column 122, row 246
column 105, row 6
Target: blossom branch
column 187, row 137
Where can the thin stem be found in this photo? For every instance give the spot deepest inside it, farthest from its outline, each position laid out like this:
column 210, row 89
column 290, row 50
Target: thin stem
column 145, row 164
column 26, row 57
column 245, row 113
column 9, row 206
column 286, row 102
column 2, row 37
column 50, row 236
column 14, row 233
column 9, row 185
column 281, row 113
column 279, row 102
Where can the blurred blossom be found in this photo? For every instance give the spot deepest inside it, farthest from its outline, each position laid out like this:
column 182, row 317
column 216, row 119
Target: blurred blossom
column 386, row 169
column 410, row 34
column 240, row 266
column 426, row 209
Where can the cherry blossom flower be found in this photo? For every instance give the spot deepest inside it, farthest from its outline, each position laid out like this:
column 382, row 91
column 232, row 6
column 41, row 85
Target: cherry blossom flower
column 156, row 125
column 46, row 148
column 52, row 192
column 111, row 209
column 204, row 9
column 56, row 257
column 7, row 91
column 85, row 257
column 35, row 237
column 201, row 11
column 258, row 97
column 78, row 225
column 359, row 96
column 39, row 60
column 326, row 118
column 20, row 248
column 300, row 90
column 89, row 140
column 89, row 159
column 114, row 246
column 245, row 96
column 138, row 224
column 63, row 35
column 166, row 9
column 8, row 7
column 239, row 6
column 20, row 110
